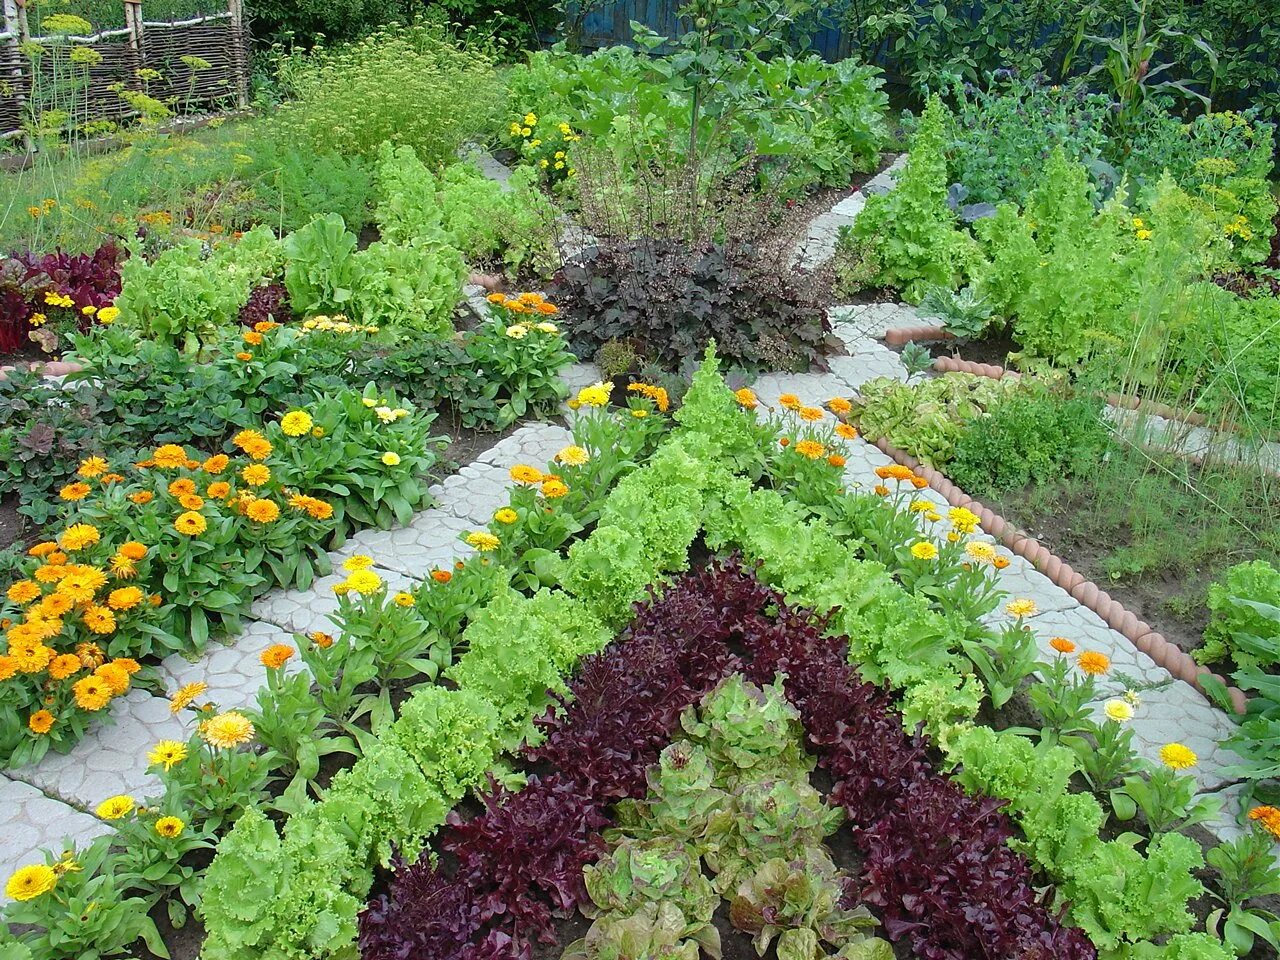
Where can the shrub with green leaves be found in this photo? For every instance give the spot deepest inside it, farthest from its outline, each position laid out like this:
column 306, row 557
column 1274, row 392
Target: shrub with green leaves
column 296, row 185
column 411, row 85
column 908, row 238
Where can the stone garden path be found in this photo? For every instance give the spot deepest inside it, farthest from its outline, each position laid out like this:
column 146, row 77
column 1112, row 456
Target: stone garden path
column 52, row 802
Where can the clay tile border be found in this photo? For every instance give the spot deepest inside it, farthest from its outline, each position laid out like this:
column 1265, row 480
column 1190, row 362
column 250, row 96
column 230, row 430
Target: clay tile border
column 1089, row 594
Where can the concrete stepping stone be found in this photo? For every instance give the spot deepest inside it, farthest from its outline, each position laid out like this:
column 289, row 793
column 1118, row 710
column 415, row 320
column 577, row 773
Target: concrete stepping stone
column 112, row 757
column 31, row 822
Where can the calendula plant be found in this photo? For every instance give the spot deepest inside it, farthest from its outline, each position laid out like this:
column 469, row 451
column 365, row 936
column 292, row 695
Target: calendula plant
column 386, row 641
column 73, row 625
column 1105, row 752
column 1167, row 798
column 1003, row 658
column 1247, row 871
column 216, row 774
column 151, row 842
column 291, row 722
column 76, row 906
column 367, row 452
column 524, row 346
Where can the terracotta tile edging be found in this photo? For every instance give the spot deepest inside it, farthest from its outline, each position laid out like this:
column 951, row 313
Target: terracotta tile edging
column 47, row 368
column 1112, row 612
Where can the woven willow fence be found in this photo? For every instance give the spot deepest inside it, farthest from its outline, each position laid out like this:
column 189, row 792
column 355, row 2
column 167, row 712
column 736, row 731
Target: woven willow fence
column 202, row 62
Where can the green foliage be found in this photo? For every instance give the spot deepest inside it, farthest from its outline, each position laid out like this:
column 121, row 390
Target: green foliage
column 1118, row 895
column 321, row 271
column 411, row 285
column 398, row 86
column 1001, row 135
column 661, row 869
column 341, row 19
column 519, row 650
column 453, row 734
column 1244, row 622
column 710, row 411
column 188, row 293
column 747, row 734
column 1183, row 946
column 907, row 238
column 930, row 418
column 486, row 220
column 1223, row 161
column 297, row 185
column 1028, row 437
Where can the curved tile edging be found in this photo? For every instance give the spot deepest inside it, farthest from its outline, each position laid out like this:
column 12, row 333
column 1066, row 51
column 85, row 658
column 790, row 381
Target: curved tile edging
column 51, row 368
column 1089, row 594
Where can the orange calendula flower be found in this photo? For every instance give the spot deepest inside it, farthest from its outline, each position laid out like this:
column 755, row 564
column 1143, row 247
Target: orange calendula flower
column 43, row 549
column 191, row 501
column 186, row 696
column 253, row 338
column 99, row 619
column 276, row 656
column 1062, row 645
column 182, row 486
column 1268, row 817
column 218, row 490
column 91, row 693
column 63, row 666
column 321, row 639
column 810, row 449
column 846, row 432
column 789, row 401
column 746, row 398
column 880, row 490
column 125, row 598
column 1093, row 663
column 216, row 463
column 40, row 722
column 523, row 473
column 75, row 491
column 441, row 576
column 836, row 460
column 256, row 474
column 170, row 456
column 262, row 511
column 554, row 488
column 142, row 497
column 24, row 591
column 811, row 414
column 114, row 676
column 839, row 406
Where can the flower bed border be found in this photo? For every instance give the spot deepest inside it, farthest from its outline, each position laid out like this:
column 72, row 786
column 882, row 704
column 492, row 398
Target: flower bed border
column 1138, row 632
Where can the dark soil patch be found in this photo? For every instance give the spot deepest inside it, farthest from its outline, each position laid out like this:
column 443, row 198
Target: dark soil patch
column 994, row 349
column 1172, row 602
column 28, row 352
column 12, row 523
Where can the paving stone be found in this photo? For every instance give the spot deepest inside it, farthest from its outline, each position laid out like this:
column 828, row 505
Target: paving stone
column 491, row 168
column 887, row 179
column 853, row 323
column 850, row 206
column 870, row 361
column 233, row 671
column 112, row 757
column 31, row 822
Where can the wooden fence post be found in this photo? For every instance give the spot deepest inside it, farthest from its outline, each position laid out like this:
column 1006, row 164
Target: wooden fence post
column 133, row 23
column 239, row 61
column 15, row 24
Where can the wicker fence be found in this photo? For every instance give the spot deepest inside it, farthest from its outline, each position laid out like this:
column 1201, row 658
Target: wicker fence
column 144, row 56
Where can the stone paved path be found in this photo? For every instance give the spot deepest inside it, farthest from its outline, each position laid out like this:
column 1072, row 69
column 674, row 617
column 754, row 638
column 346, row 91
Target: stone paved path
column 52, row 801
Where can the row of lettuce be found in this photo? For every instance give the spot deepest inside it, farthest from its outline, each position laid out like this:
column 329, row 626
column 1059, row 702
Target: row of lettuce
column 298, row 893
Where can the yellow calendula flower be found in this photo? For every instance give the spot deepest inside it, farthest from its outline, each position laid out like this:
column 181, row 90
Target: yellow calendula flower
column 596, row 395
column 27, row 883
column 78, row 536
column 169, row 827
column 964, row 521
column 359, row 561
column 924, row 550
column 167, row 753
column 391, row 459
column 1176, row 756
column 295, row 423
column 115, row 808
column 364, row 582
column 1021, row 607
column 227, row 730
column 186, row 695
column 483, row 541
column 403, row 599
column 573, row 456
column 1118, row 711
column 506, row 515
